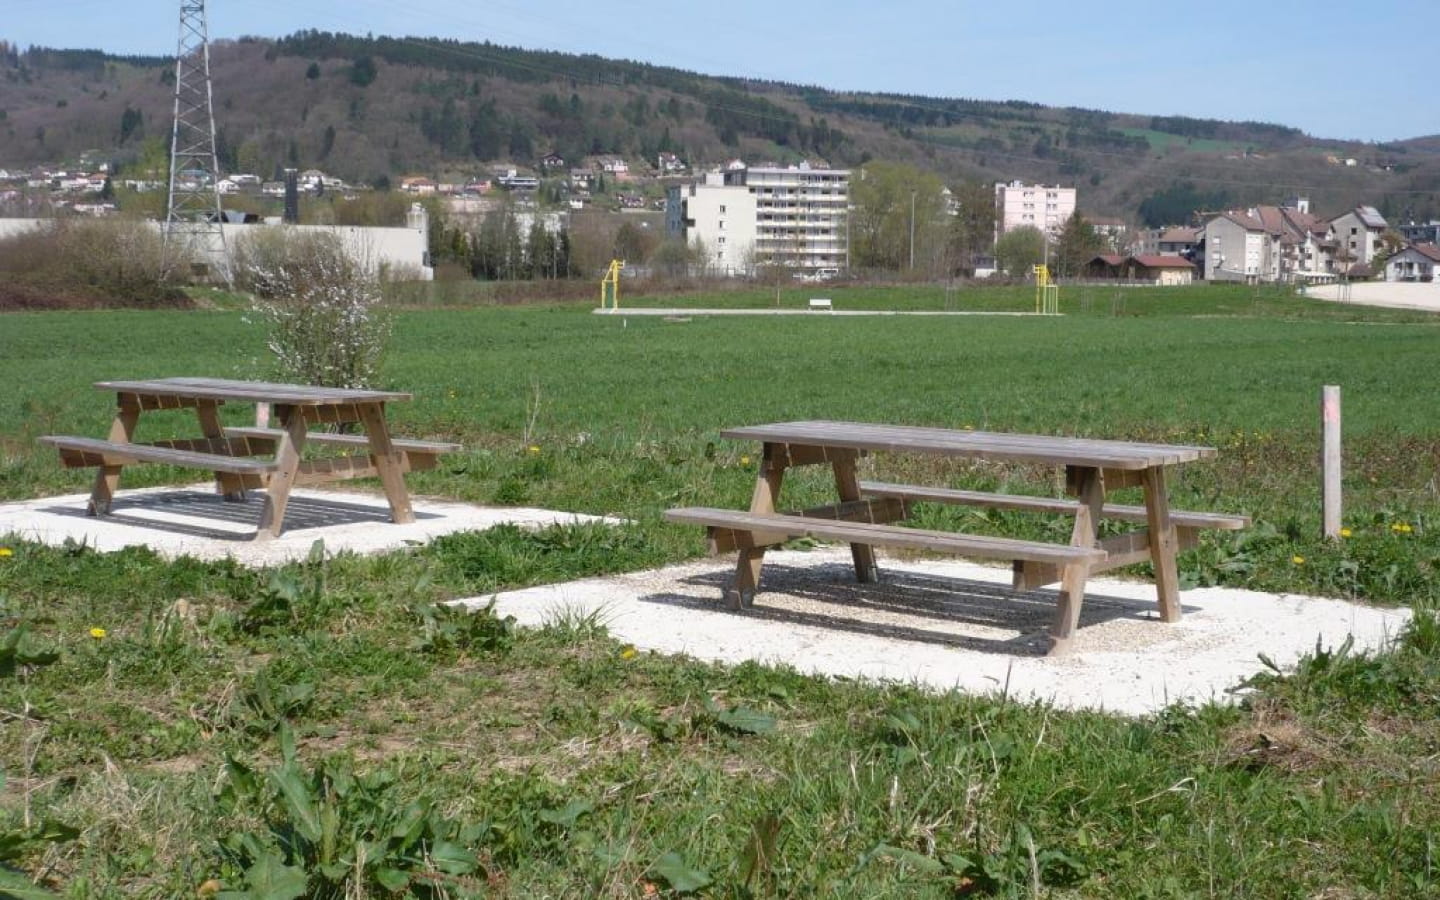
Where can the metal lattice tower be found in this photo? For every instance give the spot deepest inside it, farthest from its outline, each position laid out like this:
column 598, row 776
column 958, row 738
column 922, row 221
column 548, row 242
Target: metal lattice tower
column 193, row 232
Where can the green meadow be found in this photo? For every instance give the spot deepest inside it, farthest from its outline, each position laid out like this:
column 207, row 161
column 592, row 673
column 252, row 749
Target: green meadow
column 325, row 729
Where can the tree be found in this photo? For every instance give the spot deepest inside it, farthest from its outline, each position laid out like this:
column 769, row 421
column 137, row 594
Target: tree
column 1018, row 250
column 313, row 72
column 1391, row 242
column 898, row 216
column 363, row 72
column 1077, row 245
column 972, row 228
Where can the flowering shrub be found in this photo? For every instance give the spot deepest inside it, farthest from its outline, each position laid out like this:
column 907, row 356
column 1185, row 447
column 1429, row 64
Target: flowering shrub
column 319, row 304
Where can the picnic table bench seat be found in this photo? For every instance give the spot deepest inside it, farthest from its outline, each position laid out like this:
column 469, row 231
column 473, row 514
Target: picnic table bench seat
column 422, row 454
column 916, row 493
column 81, row 452
column 747, row 530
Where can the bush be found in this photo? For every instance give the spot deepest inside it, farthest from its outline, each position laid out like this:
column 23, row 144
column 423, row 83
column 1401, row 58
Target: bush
column 319, row 302
column 76, row 263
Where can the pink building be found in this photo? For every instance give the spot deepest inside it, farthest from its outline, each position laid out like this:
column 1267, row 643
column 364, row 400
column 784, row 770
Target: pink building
column 1041, row 206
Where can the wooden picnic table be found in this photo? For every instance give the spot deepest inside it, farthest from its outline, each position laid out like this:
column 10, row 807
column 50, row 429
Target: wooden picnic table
column 865, row 510
column 230, row 452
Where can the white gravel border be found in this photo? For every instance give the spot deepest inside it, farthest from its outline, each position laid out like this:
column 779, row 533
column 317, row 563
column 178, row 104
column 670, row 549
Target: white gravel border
column 956, row 625
column 192, row 520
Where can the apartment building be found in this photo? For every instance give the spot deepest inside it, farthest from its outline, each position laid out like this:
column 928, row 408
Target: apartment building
column 1041, row 206
column 792, row 216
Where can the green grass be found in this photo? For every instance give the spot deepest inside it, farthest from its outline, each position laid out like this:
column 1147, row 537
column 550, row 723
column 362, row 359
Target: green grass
column 562, row 764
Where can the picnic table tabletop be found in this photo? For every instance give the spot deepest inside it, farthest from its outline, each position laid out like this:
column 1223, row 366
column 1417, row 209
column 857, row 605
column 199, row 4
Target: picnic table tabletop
column 250, row 391
column 1073, row 451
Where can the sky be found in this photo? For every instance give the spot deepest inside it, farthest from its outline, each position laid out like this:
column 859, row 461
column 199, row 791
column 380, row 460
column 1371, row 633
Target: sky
column 1349, row 71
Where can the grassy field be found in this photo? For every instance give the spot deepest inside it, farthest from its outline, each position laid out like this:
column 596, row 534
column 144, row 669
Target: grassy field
column 324, row 729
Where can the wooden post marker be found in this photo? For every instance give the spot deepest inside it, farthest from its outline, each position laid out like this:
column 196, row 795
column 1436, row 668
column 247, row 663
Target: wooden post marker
column 1330, row 460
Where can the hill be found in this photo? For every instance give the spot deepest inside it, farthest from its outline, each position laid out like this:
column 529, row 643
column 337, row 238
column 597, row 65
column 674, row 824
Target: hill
column 372, row 109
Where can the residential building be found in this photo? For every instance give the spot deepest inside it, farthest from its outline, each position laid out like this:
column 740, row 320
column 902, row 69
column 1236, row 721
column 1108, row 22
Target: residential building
column 669, row 164
column 614, row 166
column 1041, row 206
column 1111, row 230
column 1357, row 235
column 792, row 216
column 514, row 181
column 718, row 216
column 552, row 161
column 1269, row 243
column 1182, row 241
column 1418, row 262
column 1152, row 268
column 1238, row 248
column 1427, row 233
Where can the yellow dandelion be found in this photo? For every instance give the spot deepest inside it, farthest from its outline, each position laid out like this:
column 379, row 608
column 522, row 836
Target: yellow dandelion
column 209, row 888
column 1298, row 560
column 744, row 460
column 1345, row 532
column 629, row 652
column 97, row 633
column 533, row 449
column 1401, row 528
column 6, row 551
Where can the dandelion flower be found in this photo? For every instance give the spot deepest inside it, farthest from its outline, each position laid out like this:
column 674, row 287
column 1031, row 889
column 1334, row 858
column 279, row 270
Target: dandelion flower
column 629, row 652
column 6, row 551
column 533, row 449
column 1298, row 560
column 97, row 633
column 1345, row 532
column 744, row 460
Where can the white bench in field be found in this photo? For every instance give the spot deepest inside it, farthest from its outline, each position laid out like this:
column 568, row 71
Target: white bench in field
column 821, row 303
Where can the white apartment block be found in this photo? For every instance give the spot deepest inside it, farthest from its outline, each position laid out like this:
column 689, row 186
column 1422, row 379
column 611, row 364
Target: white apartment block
column 1041, row 206
column 767, row 215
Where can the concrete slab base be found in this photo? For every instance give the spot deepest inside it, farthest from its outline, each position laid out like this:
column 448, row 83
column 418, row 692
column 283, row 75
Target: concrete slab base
column 195, row 521
column 956, row 625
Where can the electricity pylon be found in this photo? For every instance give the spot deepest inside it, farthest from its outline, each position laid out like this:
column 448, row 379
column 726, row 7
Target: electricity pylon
column 193, row 233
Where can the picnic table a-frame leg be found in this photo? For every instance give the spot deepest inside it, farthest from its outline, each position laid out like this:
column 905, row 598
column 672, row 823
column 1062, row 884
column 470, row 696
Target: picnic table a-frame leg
column 107, row 478
column 741, row 594
column 293, row 428
column 847, row 485
column 1088, row 484
column 230, row 485
column 388, row 460
column 1164, row 542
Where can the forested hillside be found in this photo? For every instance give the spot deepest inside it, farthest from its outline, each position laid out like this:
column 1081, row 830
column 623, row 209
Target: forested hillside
column 373, row 109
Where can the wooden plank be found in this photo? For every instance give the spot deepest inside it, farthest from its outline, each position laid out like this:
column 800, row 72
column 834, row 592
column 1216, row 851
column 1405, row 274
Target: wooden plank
column 847, row 485
column 287, row 464
column 355, row 441
column 248, row 391
column 208, row 412
column 1091, row 490
column 107, row 477
column 117, row 453
column 149, row 402
column 1164, row 544
column 886, row 535
column 878, row 511
column 1221, row 521
column 390, row 462
column 990, row 445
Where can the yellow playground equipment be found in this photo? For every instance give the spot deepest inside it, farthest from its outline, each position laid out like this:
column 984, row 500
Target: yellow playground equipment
column 1047, row 293
column 610, row 285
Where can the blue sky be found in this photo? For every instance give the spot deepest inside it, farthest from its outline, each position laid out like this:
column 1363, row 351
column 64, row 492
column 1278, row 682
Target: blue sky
column 1354, row 71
